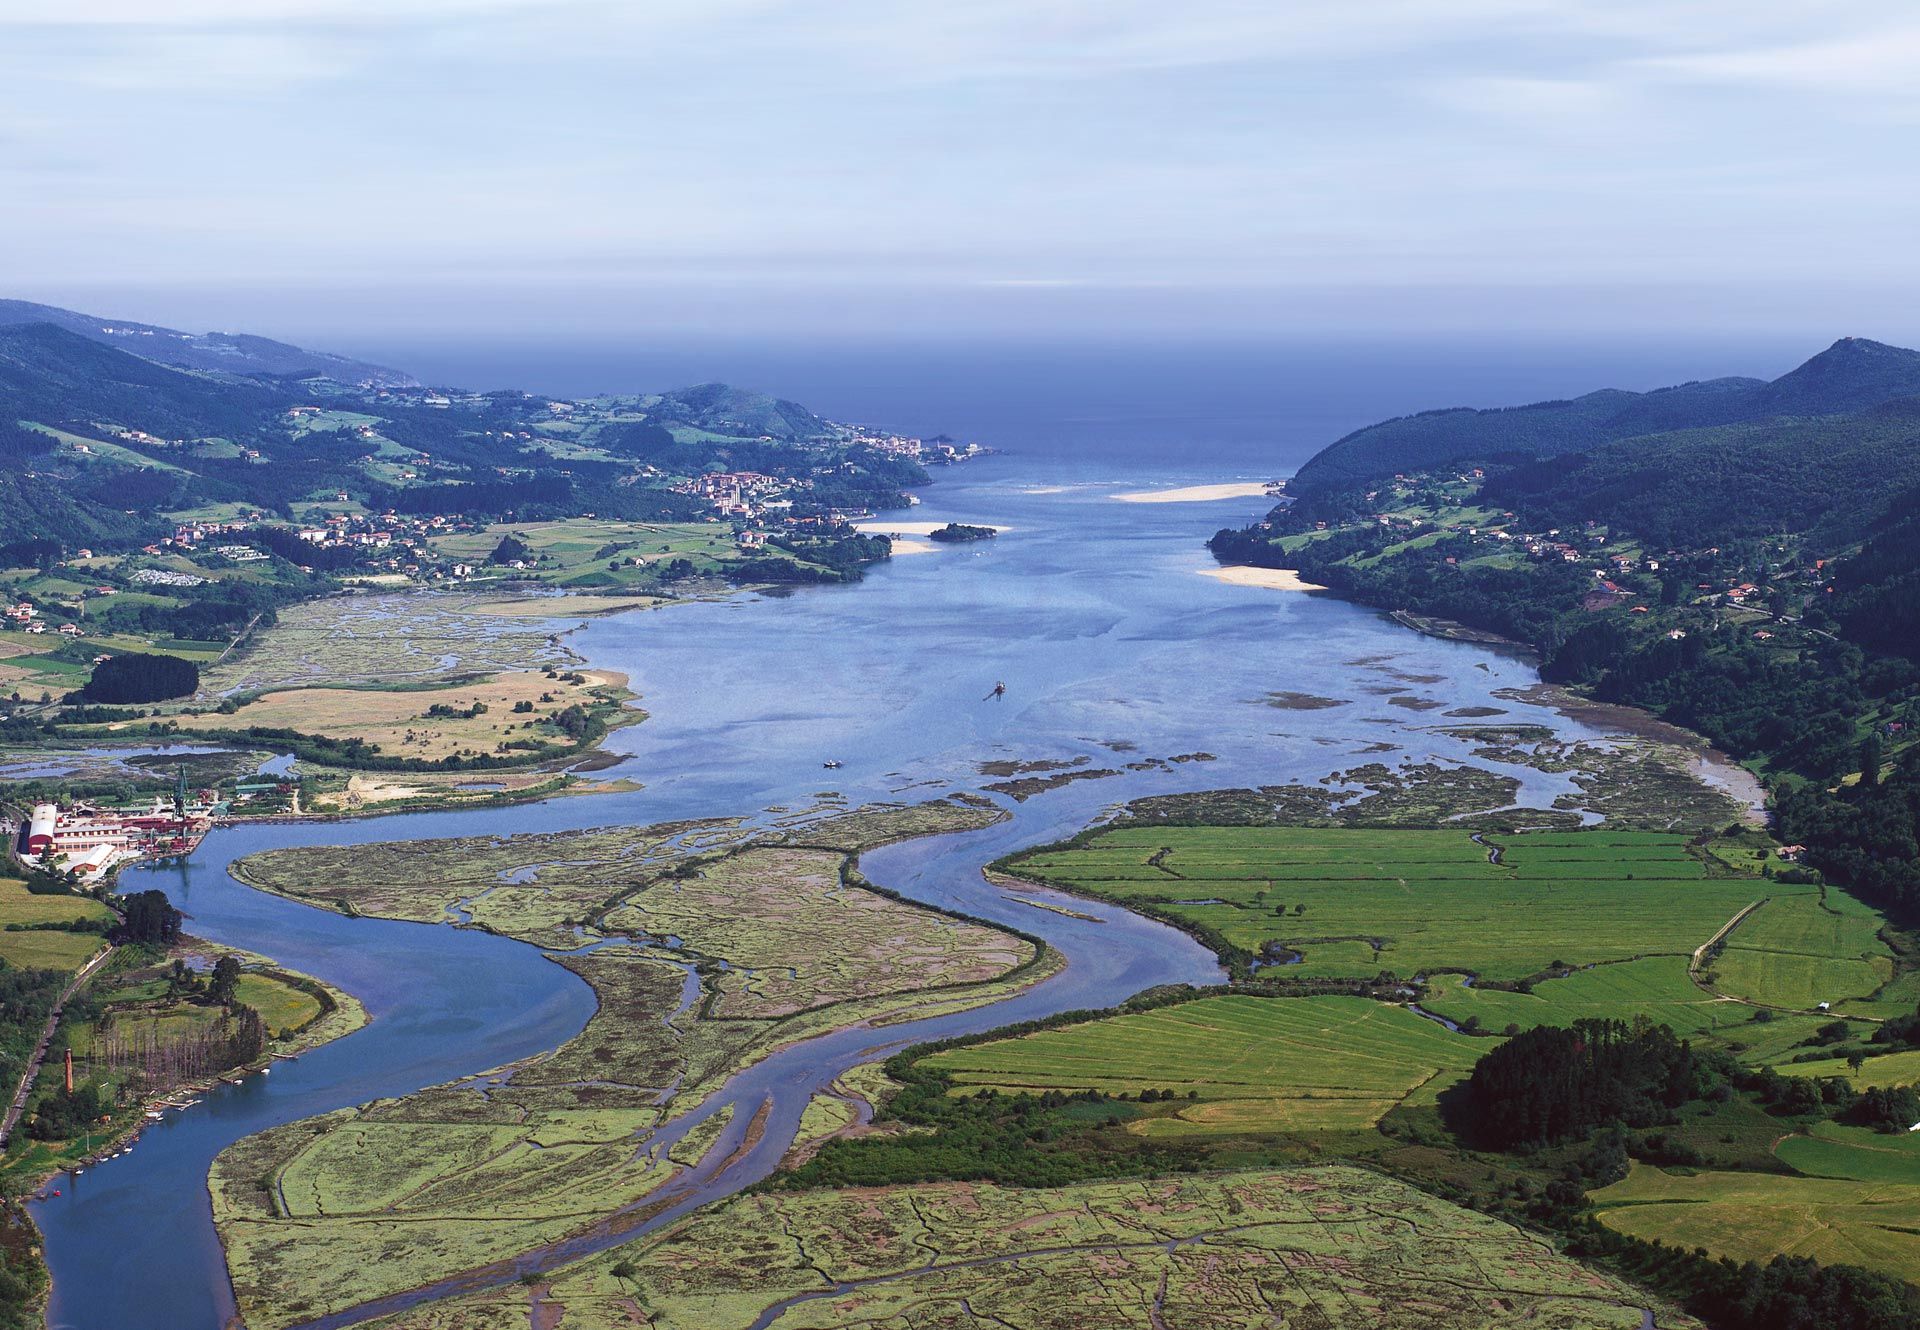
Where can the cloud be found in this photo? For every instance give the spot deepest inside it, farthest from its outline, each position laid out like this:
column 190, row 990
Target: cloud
column 1872, row 64
column 250, row 13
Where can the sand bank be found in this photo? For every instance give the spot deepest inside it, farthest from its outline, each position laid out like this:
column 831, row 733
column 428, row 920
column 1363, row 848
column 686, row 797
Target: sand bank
column 902, row 546
column 1277, row 579
column 1238, row 489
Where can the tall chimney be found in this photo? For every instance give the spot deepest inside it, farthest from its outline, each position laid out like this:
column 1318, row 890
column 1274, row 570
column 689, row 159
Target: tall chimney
column 69, row 1071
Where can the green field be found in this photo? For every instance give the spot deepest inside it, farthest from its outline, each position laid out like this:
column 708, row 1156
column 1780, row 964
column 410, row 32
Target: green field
column 1250, row 1250
column 1356, row 902
column 1830, row 1150
column 577, row 552
column 1800, row 950
column 1257, row 1065
column 1887, row 1069
column 46, row 949
column 1754, row 1216
column 282, row 1006
column 1656, row 986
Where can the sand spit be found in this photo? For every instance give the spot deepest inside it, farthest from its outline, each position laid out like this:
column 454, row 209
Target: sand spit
column 1237, row 489
column 1275, row 579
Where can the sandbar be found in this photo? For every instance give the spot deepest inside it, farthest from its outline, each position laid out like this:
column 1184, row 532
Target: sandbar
column 1233, row 489
column 1277, row 579
column 903, row 546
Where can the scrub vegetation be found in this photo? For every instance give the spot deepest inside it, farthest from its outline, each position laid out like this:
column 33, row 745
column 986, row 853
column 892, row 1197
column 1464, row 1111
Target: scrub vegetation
column 385, row 638
column 1318, row 1246
column 714, row 944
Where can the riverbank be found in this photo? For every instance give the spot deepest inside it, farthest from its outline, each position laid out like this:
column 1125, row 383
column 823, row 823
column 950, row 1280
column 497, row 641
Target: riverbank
column 889, row 682
column 730, row 949
column 31, row 1173
column 1718, row 769
column 339, row 1014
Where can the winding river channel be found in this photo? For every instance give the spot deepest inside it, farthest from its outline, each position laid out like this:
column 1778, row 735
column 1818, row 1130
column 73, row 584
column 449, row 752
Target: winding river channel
column 1114, row 648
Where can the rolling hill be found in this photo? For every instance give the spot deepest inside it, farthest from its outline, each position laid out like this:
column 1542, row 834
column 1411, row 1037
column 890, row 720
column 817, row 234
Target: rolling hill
column 231, row 353
column 1852, row 375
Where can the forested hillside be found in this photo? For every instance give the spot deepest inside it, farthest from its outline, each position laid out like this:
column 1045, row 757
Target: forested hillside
column 1754, row 580
column 106, row 448
column 1710, row 486
column 1852, row 375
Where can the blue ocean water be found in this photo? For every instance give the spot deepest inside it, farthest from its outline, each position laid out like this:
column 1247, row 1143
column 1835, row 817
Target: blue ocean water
column 1263, row 406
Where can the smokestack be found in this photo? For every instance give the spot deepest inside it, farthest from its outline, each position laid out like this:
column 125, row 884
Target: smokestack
column 69, row 1071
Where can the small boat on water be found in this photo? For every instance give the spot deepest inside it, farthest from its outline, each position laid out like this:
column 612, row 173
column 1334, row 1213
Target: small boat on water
column 831, row 764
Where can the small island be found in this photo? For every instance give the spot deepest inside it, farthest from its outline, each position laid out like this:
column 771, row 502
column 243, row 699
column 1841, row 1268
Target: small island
column 959, row 533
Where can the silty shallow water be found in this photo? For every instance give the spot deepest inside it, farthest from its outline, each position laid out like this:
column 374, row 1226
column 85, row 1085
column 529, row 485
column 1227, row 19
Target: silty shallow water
column 1113, row 648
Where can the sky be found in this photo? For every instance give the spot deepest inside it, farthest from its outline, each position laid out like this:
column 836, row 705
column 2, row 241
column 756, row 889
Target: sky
column 1127, row 168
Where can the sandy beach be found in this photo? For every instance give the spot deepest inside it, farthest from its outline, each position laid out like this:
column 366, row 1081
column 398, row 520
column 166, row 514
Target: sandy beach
column 1237, row 489
column 1276, row 579
column 884, row 527
column 903, row 546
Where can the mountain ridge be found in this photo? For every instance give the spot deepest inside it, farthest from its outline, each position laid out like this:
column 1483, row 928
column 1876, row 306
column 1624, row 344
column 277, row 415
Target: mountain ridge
column 1852, row 375
column 211, row 352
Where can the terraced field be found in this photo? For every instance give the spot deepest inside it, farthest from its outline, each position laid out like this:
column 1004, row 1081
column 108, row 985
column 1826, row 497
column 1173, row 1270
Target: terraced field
column 1308, row 1247
column 1255, row 1065
column 1356, row 902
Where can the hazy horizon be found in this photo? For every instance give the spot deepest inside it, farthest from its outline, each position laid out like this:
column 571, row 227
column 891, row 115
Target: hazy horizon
column 764, row 169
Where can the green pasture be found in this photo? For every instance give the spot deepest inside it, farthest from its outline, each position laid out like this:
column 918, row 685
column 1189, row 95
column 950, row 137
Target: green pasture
column 281, row 1005
column 581, row 547
column 1755, row 1216
column 1901, row 1068
column 1830, row 1150
column 1354, row 902
column 1254, row 1065
column 1799, row 950
column 46, row 949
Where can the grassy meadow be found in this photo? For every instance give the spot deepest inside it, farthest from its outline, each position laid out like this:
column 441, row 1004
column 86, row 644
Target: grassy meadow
column 45, row 948
column 1352, row 903
column 1247, row 1065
